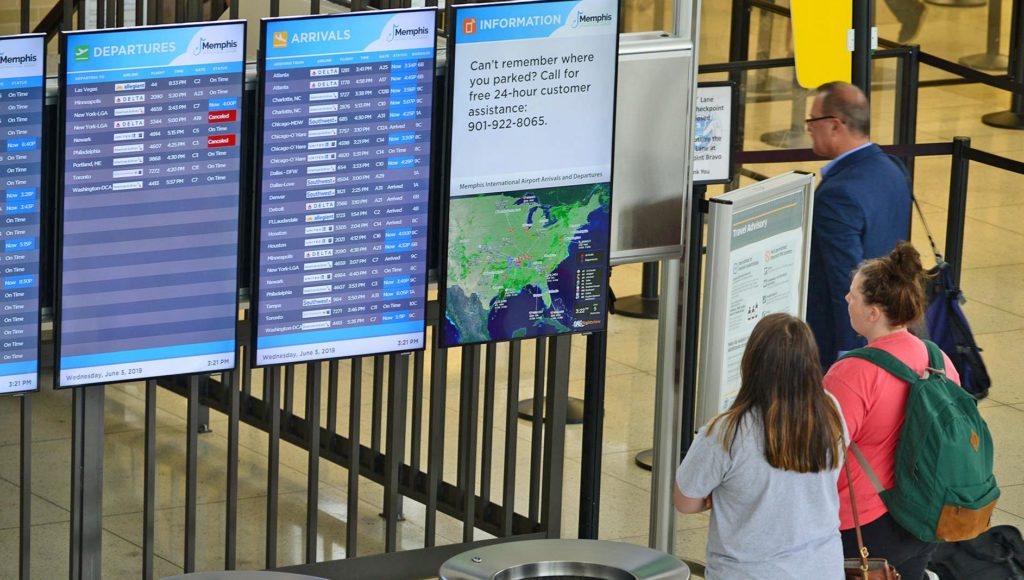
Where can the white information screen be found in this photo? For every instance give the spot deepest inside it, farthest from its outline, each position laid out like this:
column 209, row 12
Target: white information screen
column 532, row 107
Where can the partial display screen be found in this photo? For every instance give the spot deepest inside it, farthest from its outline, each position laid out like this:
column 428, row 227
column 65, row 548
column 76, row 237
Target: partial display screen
column 532, row 107
column 21, row 127
column 149, row 216
column 345, row 174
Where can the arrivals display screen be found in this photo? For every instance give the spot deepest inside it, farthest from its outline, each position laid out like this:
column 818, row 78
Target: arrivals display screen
column 532, row 99
column 344, row 181
column 149, row 201
column 21, row 127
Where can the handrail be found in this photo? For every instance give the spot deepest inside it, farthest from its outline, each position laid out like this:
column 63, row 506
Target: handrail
column 52, row 20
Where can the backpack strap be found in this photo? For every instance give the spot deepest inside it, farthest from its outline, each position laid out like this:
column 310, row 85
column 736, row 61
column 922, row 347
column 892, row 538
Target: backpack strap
column 864, row 465
column 935, row 360
column 887, row 362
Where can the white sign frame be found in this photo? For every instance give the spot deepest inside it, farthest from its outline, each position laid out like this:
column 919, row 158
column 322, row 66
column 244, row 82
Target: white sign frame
column 736, row 272
column 713, row 132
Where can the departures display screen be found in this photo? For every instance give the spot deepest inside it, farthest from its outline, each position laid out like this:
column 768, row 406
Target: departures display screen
column 21, row 127
column 532, row 97
column 344, row 180
column 149, row 202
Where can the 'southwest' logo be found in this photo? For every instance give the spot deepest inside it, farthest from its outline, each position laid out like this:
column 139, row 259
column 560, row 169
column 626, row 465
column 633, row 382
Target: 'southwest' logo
column 207, row 46
column 586, row 19
column 398, row 32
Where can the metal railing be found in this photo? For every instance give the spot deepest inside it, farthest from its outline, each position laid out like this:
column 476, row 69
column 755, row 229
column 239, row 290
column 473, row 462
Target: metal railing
column 406, row 413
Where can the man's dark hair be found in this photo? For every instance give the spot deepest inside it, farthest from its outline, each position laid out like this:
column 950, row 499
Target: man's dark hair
column 848, row 103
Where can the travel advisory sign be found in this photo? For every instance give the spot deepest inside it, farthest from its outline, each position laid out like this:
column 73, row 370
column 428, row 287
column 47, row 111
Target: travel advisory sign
column 530, row 158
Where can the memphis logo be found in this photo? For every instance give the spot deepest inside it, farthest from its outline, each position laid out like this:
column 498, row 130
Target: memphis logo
column 589, row 20
column 207, row 46
column 399, row 32
column 6, row 60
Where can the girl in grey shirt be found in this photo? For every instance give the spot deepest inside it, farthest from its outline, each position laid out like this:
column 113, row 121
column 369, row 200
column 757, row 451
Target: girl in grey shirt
column 768, row 465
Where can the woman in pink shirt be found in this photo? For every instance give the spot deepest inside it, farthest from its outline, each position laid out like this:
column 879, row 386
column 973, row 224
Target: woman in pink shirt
column 886, row 295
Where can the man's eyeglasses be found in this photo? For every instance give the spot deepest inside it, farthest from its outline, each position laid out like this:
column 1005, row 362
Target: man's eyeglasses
column 822, row 118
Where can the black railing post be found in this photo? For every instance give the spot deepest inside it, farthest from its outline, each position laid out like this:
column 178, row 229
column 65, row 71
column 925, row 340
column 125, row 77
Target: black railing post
column 593, row 435
column 990, row 59
column 739, row 50
column 905, row 123
column 691, row 303
column 25, row 513
column 957, row 216
column 863, row 20
column 1014, row 118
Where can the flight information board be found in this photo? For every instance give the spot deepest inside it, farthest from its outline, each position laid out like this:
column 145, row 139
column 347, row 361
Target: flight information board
column 532, row 102
column 21, row 126
column 345, row 158
column 149, row 201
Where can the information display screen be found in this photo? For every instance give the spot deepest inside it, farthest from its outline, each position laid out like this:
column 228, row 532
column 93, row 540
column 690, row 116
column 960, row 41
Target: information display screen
column 149, row 201
column 345, row 158
column 21, row 127
column 532, row 110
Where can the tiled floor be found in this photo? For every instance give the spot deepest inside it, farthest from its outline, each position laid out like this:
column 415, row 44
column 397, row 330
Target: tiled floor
column 993, row 280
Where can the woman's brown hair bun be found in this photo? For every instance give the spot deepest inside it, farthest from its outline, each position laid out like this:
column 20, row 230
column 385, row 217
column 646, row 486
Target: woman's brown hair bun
column 895, row 283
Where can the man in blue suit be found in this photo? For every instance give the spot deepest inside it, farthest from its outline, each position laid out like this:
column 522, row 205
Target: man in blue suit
column 861, row 209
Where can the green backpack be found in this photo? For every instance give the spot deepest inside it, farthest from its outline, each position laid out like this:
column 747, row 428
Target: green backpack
column 945, row 490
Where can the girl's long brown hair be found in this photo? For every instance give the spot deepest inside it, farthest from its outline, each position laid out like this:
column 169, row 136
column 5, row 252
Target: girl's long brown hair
column 781, row 380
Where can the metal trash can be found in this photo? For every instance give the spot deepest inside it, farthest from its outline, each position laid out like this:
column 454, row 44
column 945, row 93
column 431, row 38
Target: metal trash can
column 563, row 559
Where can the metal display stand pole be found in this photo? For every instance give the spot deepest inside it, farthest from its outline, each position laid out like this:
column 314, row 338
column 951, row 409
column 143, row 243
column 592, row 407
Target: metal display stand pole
column 645, row 304
column 1014, row 118
column 990, row 59
column 87, row 483
column 690, row 325
column 593, row 434
column 666, row 444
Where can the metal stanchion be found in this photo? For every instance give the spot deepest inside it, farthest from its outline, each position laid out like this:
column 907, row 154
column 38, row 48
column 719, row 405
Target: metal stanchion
column 573, row 414
column 795, row 137
column 644, row 304
column 990, row 59
column 1014, row 118
column 763, row 81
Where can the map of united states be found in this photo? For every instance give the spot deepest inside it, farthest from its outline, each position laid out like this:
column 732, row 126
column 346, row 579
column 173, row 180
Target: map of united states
column 512, row 262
